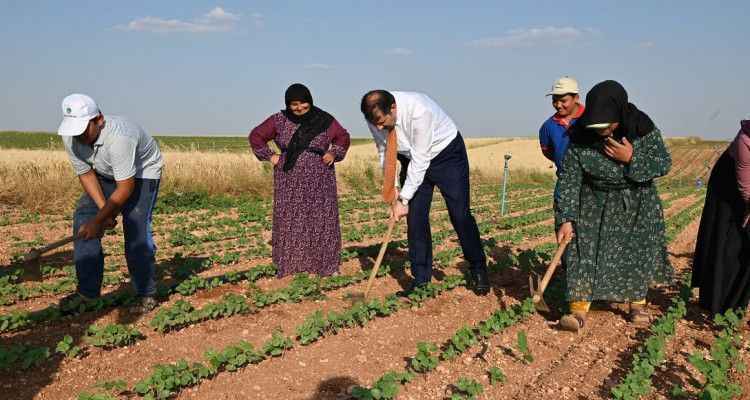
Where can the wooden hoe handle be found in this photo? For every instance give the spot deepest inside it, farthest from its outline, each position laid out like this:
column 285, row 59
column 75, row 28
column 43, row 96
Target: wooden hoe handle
column 36, row 253
column 379, row 260
column 552, row 266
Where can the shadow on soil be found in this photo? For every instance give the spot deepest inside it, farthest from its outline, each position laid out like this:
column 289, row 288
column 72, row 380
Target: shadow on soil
column 26, row 384
column 674, row 374
column 334, row 388
column 32, row 270
column 395, row 257
column 663, row 382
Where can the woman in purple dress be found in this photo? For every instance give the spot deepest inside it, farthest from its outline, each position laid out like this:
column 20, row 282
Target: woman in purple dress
column 306, row 233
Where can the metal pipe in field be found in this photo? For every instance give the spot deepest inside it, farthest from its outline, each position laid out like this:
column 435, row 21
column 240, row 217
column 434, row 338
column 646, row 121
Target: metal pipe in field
column 506, row 169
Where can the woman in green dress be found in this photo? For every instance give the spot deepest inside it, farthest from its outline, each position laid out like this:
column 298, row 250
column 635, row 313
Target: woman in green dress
column 610, row 208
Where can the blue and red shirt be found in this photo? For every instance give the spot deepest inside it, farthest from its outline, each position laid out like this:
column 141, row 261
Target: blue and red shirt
column 554, row 139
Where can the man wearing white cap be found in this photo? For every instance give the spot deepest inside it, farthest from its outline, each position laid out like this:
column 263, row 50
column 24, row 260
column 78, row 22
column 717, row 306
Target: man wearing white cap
column 553, row 136
column 119, row 167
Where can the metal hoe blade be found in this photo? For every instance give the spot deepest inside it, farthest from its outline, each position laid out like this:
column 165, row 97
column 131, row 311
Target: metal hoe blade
column 537, row 296
column 537, row 290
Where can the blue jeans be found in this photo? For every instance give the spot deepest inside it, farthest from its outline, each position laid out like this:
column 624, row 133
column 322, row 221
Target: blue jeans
column 449, row 171
column 140, row 249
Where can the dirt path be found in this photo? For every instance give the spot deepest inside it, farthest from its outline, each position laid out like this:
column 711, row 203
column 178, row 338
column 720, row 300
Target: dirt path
column 565, row 366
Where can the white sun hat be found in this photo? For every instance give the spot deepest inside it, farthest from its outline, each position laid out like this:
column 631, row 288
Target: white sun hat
column 78, row 110
column 564, row 85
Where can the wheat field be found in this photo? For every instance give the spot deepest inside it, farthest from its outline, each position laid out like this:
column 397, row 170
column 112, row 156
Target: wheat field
column 28, row 175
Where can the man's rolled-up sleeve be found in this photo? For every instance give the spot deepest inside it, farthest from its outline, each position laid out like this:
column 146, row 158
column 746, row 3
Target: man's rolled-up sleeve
column 421, row 153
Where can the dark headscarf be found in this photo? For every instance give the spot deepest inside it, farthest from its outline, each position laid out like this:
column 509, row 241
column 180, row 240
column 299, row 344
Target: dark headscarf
column 607, row 102
column 745, row 126
column 311, row 124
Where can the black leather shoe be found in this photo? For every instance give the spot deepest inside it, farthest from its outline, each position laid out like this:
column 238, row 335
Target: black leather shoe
column 143, row 305
column 480, row 282
column 406, row 292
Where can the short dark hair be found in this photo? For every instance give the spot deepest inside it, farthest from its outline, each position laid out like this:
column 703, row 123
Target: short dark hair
column 378, row 99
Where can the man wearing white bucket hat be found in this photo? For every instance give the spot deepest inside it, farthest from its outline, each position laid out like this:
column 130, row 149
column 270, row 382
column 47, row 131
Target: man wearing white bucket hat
column 119, row 167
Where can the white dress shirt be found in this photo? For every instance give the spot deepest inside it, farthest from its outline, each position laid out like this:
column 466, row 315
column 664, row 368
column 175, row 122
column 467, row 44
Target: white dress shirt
column 423, row 130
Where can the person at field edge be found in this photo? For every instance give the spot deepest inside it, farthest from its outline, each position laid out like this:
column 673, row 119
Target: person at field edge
column 610, row 208
column 721, row 263
column 553, row 134
column 306, row 233
column 414, row 126
column 119, row 167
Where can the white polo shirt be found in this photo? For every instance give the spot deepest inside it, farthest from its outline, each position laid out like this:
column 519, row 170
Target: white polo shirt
column 123, row 150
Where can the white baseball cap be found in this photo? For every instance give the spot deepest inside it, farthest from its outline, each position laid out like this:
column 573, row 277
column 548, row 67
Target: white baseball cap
column 564, row 85
column 78, row 110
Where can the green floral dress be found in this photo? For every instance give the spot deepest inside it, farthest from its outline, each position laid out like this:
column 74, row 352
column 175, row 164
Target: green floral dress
column 619, row 247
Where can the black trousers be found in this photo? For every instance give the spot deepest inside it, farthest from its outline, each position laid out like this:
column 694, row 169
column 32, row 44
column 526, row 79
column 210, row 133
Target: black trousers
column 449, row 171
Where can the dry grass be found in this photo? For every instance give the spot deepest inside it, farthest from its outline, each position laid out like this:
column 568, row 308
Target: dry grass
column 42, row 180
column 231, row 173
column 525, row 155
column 27, row 176
column 37, row 180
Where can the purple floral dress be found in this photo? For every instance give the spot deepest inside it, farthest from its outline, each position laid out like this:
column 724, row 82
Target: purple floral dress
column 306, row 233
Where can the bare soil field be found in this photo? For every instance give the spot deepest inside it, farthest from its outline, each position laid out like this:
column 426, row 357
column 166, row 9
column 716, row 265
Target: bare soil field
column 226, row 328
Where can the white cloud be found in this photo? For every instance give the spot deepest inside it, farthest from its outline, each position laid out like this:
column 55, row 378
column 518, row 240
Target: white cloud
column 218, row 14
column 530, row 37
column 399, row 51
column 216, row 20
column 317, row 66
column 647, row 44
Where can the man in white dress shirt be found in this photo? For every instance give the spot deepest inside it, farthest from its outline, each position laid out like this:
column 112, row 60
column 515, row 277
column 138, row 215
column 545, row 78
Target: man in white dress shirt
column 432, row 153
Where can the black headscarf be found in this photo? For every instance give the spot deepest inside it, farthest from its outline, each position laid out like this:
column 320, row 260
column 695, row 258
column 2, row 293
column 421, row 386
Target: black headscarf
column 607, row 102
column 311, row 124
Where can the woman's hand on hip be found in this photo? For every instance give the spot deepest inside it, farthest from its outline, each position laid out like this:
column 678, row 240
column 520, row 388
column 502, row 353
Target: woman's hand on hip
column 565, row 231
column 328, row 159
column 275, row 159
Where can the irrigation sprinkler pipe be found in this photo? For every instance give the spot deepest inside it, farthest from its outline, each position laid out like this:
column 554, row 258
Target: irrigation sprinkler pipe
column 506, row 169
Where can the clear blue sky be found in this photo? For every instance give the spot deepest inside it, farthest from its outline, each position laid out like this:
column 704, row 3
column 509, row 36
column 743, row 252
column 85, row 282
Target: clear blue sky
column 207, row 67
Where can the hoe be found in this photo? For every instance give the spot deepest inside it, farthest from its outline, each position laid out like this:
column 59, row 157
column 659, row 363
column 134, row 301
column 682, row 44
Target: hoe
column 538, row 292
column 36, row 253
column 378, row 261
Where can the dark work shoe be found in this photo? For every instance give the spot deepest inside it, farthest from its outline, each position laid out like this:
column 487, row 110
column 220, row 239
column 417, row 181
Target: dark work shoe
column 143, row 305
column 638, row 315
column 72, row 303
column 480, row 282
column 406, row 292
